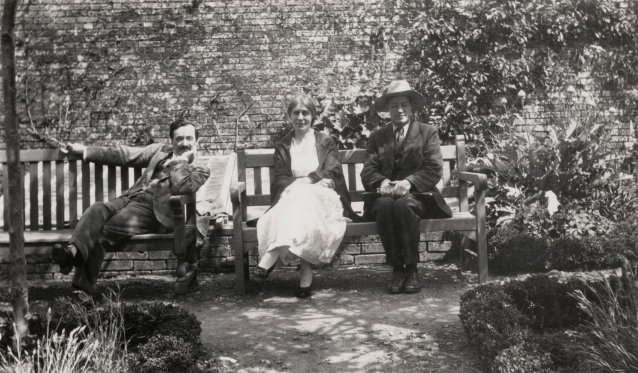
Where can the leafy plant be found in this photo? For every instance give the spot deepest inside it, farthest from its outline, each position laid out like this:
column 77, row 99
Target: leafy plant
column 611, row 343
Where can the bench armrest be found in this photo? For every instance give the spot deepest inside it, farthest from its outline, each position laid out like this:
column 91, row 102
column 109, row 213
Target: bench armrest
column 479, row 180
column 236, row 191
column 178, row 203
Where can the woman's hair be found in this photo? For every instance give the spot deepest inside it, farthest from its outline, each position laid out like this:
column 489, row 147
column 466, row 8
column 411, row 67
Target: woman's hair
column 303, row 100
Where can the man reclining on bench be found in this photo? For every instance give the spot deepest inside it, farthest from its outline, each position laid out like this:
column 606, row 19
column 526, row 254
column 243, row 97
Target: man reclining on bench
column 144, row 208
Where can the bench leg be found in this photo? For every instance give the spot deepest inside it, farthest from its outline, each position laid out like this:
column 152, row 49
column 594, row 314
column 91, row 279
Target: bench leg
column 186, row 276
column 241, row 265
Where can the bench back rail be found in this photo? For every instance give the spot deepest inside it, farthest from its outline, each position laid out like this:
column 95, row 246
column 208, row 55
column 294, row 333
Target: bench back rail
column 256, row 171
column 53, row 178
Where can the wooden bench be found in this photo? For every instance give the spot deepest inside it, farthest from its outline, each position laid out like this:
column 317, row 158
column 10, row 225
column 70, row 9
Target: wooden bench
column 454, row 184
column 46, row 226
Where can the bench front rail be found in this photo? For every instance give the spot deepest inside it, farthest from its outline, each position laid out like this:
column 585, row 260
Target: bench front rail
column 60, row 186
column 251, row 192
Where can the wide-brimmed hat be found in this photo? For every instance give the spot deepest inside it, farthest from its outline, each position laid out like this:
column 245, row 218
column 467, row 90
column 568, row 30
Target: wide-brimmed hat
column 399, row 88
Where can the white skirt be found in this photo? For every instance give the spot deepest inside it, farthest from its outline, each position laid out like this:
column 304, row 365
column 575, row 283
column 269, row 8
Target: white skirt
column 307, row 221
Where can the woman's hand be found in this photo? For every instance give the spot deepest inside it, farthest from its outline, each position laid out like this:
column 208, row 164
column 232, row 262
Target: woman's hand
column 327, row 183
column 303, row 180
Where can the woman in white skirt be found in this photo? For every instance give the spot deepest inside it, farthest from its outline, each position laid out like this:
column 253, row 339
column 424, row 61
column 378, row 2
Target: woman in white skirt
column 310, row 202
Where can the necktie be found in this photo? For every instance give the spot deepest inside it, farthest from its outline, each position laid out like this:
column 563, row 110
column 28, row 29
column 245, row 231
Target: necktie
column 398, row 135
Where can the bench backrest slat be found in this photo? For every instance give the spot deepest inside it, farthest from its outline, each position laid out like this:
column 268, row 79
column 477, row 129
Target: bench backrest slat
column 73, row 194
column 98, row 182
column 33, row 195
column 124, row 178
column 252, row 162
column 352, row 176
column 54, row 199
column 258, row 180
column 86, row 185
column 46, row 195
column 111, row 184
column 59, row 195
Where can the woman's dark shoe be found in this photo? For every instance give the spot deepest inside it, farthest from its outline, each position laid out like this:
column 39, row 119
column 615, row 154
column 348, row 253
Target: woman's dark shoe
column 302, row 292
column 261, row 273
column 62, row 256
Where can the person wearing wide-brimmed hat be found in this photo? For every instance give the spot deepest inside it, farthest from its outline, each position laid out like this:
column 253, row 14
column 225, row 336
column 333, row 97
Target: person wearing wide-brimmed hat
column 404, row 165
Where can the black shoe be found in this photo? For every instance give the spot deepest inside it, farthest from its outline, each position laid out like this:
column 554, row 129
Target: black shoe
column 397, row 284
column 261, row 273
column 301, row 292
column 83, row 299
column 412, row 283
column 62, row 256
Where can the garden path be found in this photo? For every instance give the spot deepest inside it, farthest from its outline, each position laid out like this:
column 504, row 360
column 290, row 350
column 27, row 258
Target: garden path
column 349, row 325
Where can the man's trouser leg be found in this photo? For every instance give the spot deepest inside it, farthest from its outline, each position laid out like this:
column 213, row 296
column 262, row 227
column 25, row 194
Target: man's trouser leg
column 134, row 216
column 382, row 211
column 407, row 212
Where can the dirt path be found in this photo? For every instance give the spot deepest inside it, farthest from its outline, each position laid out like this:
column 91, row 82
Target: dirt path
column 349, row 325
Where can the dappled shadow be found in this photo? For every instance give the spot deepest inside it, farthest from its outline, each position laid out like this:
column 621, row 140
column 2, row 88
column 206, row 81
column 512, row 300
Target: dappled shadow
column 349, row 325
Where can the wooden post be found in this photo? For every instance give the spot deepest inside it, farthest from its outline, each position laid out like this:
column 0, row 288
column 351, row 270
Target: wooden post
column 19, row 289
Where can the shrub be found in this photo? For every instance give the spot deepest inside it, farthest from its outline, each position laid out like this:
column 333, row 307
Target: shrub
column 520, row 253
column 163, row 354
column 586, row 253
column 544, row 301
column 524, row 357
column 490, row 321
column 142, row 321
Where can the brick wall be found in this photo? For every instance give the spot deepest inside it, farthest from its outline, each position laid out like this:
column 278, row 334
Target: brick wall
column 217, row 256
column 118, row 71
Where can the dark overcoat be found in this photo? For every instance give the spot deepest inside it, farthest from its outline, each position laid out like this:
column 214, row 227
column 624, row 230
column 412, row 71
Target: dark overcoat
column 418, row 160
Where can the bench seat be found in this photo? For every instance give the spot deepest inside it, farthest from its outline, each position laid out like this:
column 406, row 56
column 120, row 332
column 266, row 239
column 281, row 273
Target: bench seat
column 253, row 192
column 461, row 221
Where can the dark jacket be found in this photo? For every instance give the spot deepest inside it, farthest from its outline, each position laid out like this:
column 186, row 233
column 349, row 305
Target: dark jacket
column 420, row 162
column 329, row 168
column 182, row 177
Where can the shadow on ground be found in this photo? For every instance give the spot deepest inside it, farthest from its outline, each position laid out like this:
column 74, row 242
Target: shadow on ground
column 349, row 325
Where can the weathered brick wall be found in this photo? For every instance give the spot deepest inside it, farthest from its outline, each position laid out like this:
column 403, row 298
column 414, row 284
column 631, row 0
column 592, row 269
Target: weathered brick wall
column 217, row 255
column 118, row 71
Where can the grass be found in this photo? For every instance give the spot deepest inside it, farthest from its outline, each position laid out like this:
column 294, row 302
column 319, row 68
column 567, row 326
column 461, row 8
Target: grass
column 611, row 343
column 96, row 346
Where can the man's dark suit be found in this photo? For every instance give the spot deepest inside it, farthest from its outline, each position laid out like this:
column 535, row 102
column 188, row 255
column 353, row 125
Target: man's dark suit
column 417, row 159
column 144, row 208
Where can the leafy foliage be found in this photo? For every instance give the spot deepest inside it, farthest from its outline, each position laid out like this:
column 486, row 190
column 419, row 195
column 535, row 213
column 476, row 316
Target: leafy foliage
column 469, row 58
column 164, row 354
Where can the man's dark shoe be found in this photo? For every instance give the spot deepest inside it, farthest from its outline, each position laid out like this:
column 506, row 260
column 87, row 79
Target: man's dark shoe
column 83, row 299
column 412, row 283
column 397, row 284
column 262, row 274
column 62, row 256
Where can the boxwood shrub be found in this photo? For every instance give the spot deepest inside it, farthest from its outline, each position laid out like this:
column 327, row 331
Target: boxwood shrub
column 515, row 326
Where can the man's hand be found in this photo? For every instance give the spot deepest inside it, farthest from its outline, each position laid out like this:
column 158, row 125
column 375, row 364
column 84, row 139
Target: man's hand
column 327, row 183
column 387, row 187
column 76, row 148
column 401, row 188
